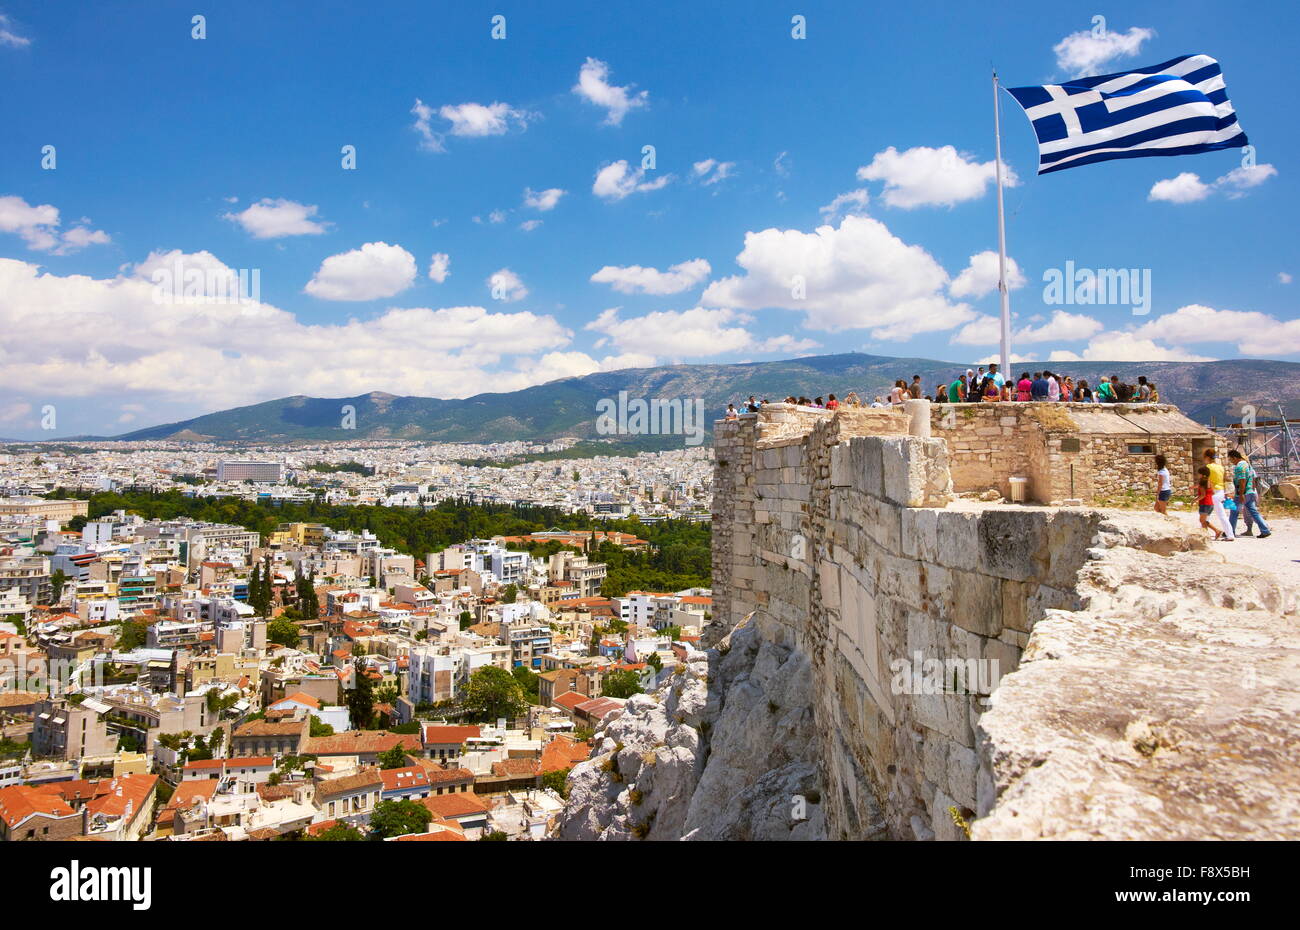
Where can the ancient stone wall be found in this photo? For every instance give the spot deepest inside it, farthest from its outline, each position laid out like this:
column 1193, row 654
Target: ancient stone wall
column 989, row 443
column 909, row 611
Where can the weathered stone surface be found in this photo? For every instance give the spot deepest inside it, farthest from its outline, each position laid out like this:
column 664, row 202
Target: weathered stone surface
column 1167, row 709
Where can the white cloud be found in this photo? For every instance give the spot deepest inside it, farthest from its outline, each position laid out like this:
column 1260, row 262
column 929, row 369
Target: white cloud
column 924, row 176
column 593, row 85
column 1062, row 327
column 543, row 200
column 856, row 276
column 439, row 267
column 1283, row 278
column 375, row 270
column 1125, row 347
column 1185, row 188
column 980, row 276
column 467, row 120
column 616, row 181
column 273, row 219
column 710, row 171
column 781, row 164
column 694, row 333
column 1088, row 51
column 38, row 226
column 1242, row 178
column 850, row 202
column 105, row 338
column 986, row 330
column 1254, row 333
column 14, row 411
column 1189, row 188
column 9, row 35
column 530, row 225
column 632, row 279
column 505, row 285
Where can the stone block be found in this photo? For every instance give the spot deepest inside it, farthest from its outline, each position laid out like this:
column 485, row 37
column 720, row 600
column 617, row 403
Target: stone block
column 963, row 766
column 903, row 461
column 976, row 604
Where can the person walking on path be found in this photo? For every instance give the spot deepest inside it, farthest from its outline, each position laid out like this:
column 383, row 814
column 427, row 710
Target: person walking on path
column 1205, row 501
column 1218, row 487
column 1164, row 485
column 1243, row 483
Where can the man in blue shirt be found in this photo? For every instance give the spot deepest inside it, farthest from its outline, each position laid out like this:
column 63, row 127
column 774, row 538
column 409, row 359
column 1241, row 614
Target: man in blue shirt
column 1040, row 388
column 996, row 375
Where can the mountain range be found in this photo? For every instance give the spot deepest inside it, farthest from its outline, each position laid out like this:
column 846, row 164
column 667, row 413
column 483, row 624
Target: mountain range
column 1205, row 391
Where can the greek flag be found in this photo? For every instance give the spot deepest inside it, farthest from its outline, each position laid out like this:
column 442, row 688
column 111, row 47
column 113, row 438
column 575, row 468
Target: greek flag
column 1180, row 107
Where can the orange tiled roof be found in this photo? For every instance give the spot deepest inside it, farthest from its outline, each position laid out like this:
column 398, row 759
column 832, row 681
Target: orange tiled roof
column 451, row 806
column 437, row 735
column 563, row 753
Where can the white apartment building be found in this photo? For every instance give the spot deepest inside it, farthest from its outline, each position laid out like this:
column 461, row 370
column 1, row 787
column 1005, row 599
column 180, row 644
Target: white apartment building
column 250, row 471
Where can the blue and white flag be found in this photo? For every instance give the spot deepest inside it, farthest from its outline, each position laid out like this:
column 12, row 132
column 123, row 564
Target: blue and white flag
column 1180, row 107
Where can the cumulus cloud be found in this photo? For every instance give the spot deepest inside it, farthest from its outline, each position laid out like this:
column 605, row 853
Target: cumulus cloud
column 102, row 338
column 711, row 171
column 633, row 279
column 691, row 333
column 1284, row 278
column 1184, row 188
column 986, row 330
column 850, row 202
column 1089, row 51
column 375, row 270
column 543, row 200
column 856, row 276
column 980, row 276
column 38, row 226
column 530, row 225
column 1253, row 333
column 593, row 86
column 505, row 285
column 439, row 266
column 926, row 177
column 1125, row 347
column 467, row 119
column 616, row 181
column 274, row 219
column 1189, row 188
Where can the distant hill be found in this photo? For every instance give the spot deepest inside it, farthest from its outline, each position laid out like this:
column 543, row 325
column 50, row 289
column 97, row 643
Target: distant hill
column 1204, row 390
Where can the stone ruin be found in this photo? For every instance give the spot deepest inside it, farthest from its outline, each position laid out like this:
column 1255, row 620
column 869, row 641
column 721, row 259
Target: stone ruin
column 887, row 660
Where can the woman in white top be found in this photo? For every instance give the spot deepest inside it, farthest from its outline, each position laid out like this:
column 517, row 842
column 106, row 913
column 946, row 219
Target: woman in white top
column 897, row 394
column 1164, row 484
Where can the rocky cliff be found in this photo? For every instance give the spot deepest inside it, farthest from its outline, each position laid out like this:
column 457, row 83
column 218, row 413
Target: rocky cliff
column 888, row 663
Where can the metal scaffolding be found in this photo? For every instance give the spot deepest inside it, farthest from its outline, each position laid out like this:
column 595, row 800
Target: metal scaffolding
column 1270, row 444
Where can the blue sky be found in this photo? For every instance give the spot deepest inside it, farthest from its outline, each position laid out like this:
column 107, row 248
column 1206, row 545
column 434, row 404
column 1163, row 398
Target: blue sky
column 164, row 142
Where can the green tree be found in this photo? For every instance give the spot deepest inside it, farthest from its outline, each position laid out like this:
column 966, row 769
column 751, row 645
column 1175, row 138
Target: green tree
column 57, row 581
column 493, row 692
column 131, row 634
column 466, row 618
column 394, row 758
column 557, row 782
column 339, row 833
column 283, row 632
column 527, row 679
column 510, row 594
column 318, row 727
column 495, row 836
column 361, row 699
column 621, row 684
column 655, row 662
column 398, row 818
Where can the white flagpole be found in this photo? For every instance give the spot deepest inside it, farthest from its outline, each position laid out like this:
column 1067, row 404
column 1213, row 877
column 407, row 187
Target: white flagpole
column 1002, row 239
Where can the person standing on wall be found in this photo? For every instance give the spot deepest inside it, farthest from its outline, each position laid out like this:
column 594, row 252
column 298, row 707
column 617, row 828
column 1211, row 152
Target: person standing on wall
column 1217, row 485
column 1243, row 482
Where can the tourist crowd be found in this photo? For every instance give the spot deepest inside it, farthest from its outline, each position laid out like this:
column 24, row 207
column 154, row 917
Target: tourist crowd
column 984, row 386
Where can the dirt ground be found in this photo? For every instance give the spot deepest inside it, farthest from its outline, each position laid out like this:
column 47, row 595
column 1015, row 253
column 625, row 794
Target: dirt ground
column 1280, row 553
